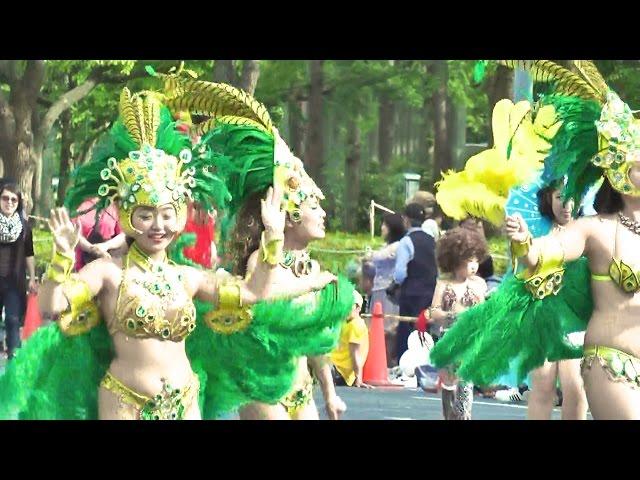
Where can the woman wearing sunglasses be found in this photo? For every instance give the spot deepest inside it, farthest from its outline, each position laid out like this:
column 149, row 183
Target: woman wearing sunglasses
column 16, row 259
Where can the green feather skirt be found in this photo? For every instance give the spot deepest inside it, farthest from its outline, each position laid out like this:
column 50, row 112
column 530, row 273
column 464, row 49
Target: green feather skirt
column 512, row 329
column 54, row 376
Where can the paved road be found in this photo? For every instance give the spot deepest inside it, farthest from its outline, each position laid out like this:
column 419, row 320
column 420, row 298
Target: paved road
column 414, row 404
column 407, row 404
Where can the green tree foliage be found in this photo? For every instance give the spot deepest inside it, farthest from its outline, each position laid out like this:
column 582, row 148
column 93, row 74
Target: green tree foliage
column 352, row 95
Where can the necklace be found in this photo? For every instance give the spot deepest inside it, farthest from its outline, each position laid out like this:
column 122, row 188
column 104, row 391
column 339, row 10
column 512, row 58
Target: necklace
column 630, row 224
column 298, row 262
column 157, row 279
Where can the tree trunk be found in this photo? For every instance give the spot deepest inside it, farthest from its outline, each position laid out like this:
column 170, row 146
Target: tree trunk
column 296, row 126
column 352, row 177
column 441, row 151
column 457, row 129
column 250, row 75
column 499, row 86
column 411, row 134
column 224, row 72
column 314, row 148
column 426, row 129
column 89, row 143
column 66, row 155
column 387, row 112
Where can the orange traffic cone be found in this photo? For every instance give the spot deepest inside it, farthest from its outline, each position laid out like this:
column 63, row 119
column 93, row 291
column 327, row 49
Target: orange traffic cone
column 375, row 368
column 32, row 317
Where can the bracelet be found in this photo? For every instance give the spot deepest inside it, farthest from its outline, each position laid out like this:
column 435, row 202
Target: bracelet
column 82, row 314
column 520, row 249
column 229, row 296
column 546, row 279
column 64, row 266
column 230, row 316
column 271, row 249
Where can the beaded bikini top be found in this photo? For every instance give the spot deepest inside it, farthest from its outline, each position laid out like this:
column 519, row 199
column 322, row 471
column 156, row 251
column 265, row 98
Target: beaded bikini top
column 143, row 301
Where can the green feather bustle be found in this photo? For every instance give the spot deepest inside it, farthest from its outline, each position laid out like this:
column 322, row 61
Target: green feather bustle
column 513, row 330
column 57, row 377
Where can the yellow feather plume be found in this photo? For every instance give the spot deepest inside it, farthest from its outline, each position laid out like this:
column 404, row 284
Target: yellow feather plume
column 460, row 196
column 520, row 146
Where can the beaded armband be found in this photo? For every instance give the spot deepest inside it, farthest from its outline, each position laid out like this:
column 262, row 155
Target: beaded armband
column 546, row 278
column 230, row 316
column 82, row 314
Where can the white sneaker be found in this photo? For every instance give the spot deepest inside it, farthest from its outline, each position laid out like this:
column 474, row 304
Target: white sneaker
column 411, row 382
column 395, row 372
column 511, row 395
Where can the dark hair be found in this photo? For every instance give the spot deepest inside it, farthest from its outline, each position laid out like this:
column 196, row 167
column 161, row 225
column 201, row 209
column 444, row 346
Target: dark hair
column 415, row 213
column 476, row 224
column 608, row 200
column 245, row 238
column 395, row 225
column 459, row 245
column 545, row 201
column 485, row 268
column 13, row 188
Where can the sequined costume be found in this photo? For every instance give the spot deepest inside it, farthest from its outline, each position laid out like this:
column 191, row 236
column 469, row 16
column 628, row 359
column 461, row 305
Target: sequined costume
column 250, row 157
column 595, row 137
column 59, row 372
column 143, row 161
column 457, row 395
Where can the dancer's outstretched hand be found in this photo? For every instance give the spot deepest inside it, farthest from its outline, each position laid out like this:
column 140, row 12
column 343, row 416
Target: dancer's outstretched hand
column 65, row 233
column 516, row 228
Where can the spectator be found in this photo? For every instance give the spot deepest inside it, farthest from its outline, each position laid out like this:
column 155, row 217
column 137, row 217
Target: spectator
column 485, row 270
column 202, row 223
column 384, row 261
column 349, row 356
column 16, row 259
column 459, row 288
column 415, row 272
column 433, row 214
column 97, row 236
column 365, row 283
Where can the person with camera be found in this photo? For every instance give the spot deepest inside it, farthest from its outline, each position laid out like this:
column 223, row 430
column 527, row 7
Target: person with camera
column 383, row 262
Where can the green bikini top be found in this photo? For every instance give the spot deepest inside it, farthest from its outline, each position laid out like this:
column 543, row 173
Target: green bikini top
column 620, row 273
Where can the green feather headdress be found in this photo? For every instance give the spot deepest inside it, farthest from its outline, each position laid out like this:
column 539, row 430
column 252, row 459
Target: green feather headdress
column 598, row 130
column 249, row 154
column 144, row 160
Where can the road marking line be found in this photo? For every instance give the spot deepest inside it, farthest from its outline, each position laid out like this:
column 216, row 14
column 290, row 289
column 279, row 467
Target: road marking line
column 479, row 403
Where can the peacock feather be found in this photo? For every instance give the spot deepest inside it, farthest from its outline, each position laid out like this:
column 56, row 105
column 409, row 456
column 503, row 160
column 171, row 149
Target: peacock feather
column 565, row 82
column 129, row 117
column 217, row 100
column 593, row 77
column 230, row 120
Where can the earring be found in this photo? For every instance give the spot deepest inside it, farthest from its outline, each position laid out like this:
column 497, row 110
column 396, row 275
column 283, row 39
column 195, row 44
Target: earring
column 296, row 215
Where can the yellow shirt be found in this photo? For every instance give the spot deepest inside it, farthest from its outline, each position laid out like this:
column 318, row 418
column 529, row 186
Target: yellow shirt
column 354, row 331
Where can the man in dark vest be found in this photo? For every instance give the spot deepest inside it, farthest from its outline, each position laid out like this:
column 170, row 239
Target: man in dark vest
column 415, row 272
